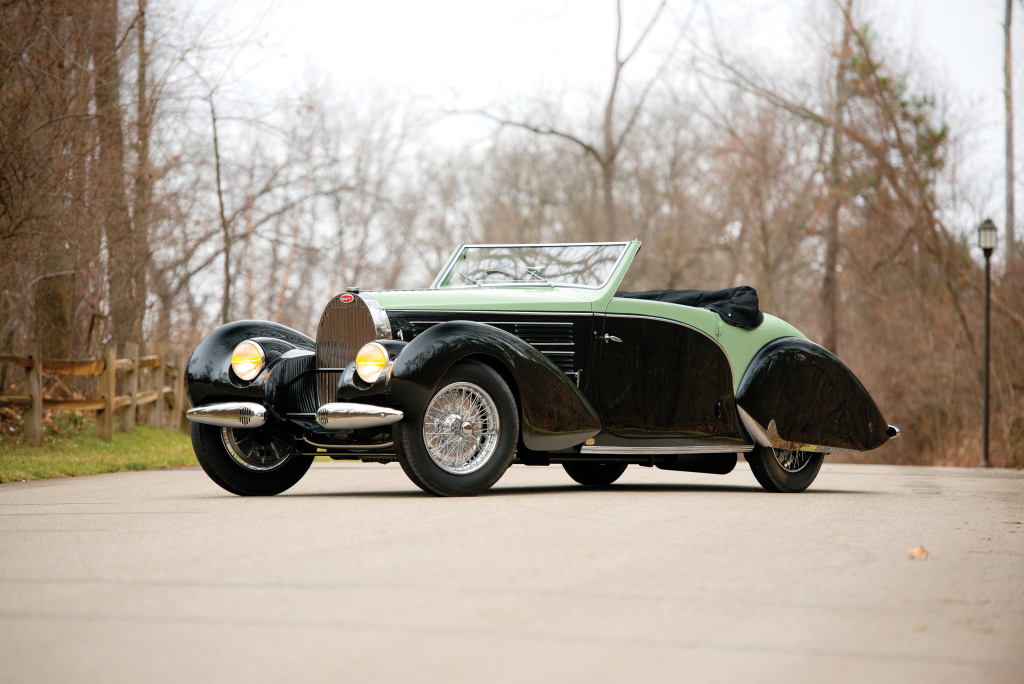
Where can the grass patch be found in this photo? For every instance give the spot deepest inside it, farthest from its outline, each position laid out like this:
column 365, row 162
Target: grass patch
column 76, row 450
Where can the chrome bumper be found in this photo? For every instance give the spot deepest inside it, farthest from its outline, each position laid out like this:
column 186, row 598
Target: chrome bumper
column 349, row 416
column 337, row 416
column 233, row 414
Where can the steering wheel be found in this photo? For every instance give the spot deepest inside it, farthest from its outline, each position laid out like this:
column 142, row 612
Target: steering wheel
column 507, row 275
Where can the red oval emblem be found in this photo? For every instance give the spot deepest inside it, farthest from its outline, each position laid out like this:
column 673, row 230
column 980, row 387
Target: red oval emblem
column 346, row 298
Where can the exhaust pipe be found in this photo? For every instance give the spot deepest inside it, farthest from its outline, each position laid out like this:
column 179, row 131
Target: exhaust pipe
column 234, row 414
column 349, row 416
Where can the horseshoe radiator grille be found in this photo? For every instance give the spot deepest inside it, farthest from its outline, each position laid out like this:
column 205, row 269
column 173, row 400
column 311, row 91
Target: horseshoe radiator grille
column 348, row 322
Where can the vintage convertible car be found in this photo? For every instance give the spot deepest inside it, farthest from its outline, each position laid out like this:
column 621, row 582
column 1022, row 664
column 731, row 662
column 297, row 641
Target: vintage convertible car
column 526, row 354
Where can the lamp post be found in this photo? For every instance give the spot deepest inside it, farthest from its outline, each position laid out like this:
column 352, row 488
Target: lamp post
column 987, row 236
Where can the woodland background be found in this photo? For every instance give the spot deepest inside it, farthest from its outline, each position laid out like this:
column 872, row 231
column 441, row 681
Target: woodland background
column 143, row 199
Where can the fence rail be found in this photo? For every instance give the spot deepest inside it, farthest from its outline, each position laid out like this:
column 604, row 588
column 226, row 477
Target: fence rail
column 154, row 382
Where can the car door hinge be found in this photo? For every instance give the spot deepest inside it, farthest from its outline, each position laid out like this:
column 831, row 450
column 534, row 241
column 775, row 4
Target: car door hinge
column 718, row 327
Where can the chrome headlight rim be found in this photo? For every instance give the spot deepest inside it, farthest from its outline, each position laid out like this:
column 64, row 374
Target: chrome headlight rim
column 248, row 375
column 378, row 372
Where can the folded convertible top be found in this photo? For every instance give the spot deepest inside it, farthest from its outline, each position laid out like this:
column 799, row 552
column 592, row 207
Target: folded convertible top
column 736, row 305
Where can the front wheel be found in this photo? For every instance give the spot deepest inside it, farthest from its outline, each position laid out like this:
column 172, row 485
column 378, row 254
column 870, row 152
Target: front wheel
column 595, row 474
column 466, row 438
column 784, row 470
column 248, row 462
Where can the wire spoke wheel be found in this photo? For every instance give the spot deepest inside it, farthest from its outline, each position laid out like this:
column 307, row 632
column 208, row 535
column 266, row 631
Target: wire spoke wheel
column 254, row 450
column 792, row 460
column 461, row 428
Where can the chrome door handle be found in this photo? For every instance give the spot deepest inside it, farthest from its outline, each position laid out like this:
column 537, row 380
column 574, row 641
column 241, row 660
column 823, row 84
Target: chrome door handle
column 610, row 338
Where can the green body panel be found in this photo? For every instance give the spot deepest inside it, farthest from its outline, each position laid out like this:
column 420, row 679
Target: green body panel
column 489, row 299
column 739, row 344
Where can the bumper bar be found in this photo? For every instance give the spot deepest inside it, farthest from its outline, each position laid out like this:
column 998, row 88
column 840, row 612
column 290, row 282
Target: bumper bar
column 233, row 414
column 349, row 416
column 336, row 416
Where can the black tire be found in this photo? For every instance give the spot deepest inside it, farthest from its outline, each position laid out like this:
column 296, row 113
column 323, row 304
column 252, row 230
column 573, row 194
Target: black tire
column 230, row 475
column 595, row 474
column 774, row 478
column 412, row 450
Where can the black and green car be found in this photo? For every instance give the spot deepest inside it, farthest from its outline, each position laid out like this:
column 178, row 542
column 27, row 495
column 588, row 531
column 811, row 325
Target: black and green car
column 526, row 354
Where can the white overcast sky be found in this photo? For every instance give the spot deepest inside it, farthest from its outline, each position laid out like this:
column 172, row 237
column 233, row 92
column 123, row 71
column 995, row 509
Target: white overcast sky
column 486, row 50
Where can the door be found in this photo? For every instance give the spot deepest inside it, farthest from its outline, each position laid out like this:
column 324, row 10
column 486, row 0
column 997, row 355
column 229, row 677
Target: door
column 657, row 378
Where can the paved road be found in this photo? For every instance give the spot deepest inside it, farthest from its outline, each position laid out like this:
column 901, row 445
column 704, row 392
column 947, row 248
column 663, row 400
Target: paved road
column 356, row 576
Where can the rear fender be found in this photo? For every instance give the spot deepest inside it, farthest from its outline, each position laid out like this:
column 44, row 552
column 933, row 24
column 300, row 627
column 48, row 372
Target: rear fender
column 555, row 415
column 802, row 396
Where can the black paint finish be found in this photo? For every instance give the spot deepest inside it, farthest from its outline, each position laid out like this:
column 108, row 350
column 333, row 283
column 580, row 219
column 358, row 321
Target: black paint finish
column 555, row 415
column 664, row 380
column 565, row 338
column 812, row 397
column 714, row 464
column 288, row 386
column 209, row 377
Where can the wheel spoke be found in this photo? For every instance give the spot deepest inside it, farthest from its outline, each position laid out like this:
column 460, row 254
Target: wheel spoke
column 243, row 448
column 460, row 428
column 792, row 460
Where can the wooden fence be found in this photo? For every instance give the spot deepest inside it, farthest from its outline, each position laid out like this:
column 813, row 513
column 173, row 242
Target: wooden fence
column 157, row 378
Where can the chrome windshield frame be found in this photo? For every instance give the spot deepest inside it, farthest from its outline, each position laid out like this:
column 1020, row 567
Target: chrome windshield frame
column 455, row 259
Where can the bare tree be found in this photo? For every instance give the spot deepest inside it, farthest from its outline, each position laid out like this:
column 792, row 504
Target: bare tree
column 614, row 134
column 1011, row 241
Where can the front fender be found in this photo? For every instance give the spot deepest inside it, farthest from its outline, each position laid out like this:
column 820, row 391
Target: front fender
column 555, row 415
column 812, row 397
column 209, row 376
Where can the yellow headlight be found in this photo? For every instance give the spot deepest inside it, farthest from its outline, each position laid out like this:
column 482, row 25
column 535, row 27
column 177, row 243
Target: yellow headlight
column 247, row 360
column 370, row 361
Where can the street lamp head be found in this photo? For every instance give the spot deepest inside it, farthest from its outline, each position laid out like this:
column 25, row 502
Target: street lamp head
column 987, row 236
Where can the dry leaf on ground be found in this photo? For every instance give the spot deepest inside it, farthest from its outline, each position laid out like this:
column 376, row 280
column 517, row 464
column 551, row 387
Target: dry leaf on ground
column 920, row 553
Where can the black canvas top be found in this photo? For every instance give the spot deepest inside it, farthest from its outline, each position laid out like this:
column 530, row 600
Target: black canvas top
column 736, row 305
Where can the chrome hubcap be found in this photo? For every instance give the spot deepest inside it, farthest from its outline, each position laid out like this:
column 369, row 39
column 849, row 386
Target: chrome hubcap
column 791, row 460
column 253, row 453
column 461, row 428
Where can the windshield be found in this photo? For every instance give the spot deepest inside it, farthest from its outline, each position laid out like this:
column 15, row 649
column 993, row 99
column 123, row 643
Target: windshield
column 583, row 265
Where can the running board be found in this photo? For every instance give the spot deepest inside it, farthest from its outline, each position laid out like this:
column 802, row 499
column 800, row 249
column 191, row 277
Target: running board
column 669, row 450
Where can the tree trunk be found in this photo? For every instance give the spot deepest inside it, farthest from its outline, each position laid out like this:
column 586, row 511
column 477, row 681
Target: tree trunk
column 114, row 217
column 830, row 284
column 53, row 329
column 1011, row 240
column 143, row 187
column 226, row 301
column 608, row 178
column 86, row 242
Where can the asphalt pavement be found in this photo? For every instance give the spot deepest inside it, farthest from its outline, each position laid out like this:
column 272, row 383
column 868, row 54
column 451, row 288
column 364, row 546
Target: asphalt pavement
column 354, row 575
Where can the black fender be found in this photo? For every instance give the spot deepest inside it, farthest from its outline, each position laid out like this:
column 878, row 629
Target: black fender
column 209, row 377
column 812, row 396
column 554, row 415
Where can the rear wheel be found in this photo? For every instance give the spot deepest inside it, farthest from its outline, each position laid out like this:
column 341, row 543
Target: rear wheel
column 595, row 474
column 466, row 438
column 248, row 462
column 784, row 470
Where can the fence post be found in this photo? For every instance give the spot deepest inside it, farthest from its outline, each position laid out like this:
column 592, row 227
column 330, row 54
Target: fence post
column 107, row 391
column 130, row 386
column 33, row 416
column 180, row 362
column 156, row 380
